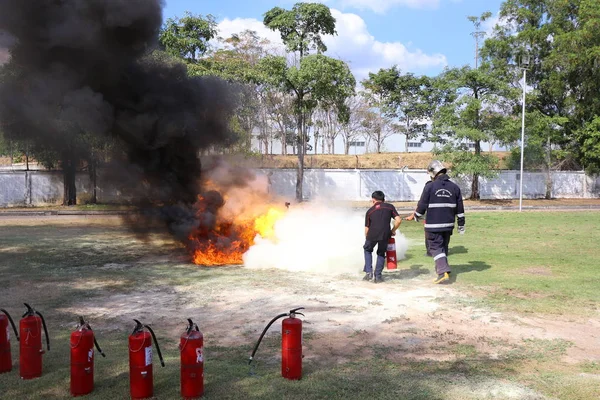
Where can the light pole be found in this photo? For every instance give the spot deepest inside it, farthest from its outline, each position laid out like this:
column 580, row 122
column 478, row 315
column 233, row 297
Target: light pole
column 524, row 65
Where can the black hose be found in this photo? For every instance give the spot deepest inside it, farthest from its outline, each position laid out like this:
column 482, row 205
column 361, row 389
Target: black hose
column 45, row 330
column 156, row 344
column 263, row 334
column 30, row 311
column 11, row 322
column 95, row 341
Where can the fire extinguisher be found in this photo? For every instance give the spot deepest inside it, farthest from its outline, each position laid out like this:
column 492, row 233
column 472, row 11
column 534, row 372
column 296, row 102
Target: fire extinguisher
column 291, row 344
column 191, row 347
column 31, row 350
column 5, row 354
column 82, row 358
column 140, row 361
column 392, row 262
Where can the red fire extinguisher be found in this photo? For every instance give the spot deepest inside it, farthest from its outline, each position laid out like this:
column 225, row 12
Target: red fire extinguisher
column 82, row 358
column 191, row 347
column 140, row 361
column 31, row 350
column 5, row 355
column 392, row 262
column 291, row 344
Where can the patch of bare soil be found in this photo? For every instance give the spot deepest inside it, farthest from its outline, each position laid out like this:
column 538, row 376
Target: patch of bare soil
column 346, row 317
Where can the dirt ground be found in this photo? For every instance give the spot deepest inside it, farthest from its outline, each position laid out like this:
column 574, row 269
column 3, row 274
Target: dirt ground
column 343, row 313
column 345, row 317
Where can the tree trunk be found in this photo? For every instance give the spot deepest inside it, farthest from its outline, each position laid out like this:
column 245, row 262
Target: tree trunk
column 548, row 169
column 301, row 150
column 92, row 169
column 70, row 191
column 475, row 183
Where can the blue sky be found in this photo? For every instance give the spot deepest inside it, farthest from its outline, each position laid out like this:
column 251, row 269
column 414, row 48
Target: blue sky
column 420, row 36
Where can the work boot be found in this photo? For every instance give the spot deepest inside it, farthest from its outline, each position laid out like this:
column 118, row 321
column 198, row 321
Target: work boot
column 442, row 278
column 368, row 277
column 378, row 279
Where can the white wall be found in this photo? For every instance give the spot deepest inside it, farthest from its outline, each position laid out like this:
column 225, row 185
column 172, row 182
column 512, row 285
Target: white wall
column 357, row 185
column 24, row 188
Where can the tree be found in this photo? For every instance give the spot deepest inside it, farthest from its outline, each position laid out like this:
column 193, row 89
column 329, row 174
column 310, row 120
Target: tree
column 480, row 114
column 561, row 41
column 187, row 38
column 353, row 127
column 316, row 77
column 405, row 97
column 378, row 121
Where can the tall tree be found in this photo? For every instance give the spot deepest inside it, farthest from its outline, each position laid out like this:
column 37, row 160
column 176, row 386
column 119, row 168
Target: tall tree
column 187, row 37
column 480, row 114
column 353, row 128
column 301, row 30
column 406, row 98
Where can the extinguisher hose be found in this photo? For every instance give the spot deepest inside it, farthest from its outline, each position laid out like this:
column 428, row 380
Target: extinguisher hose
column 263, row 334
column 162, row 362
column 45, row 330
column 11, row 322
column 96, row 342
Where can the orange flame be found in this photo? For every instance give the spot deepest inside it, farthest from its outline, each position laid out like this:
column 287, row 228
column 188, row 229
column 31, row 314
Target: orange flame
column 227, row 242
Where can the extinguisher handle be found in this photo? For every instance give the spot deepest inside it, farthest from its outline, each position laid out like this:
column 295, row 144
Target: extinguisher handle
column 296, row 309
column 45, row 330
column 162, row 362
column 11, row 322
column 95, row 341
column 263, row 334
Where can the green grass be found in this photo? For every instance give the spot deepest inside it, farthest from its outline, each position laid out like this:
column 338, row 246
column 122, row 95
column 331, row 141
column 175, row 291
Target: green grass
column 541, row 263
column 531, row 262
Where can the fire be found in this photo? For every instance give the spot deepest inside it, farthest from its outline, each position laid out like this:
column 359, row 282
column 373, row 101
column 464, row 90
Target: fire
column 230, row 237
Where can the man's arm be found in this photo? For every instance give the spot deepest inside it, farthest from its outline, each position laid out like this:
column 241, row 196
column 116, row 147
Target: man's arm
column 397, row 222
column 367, row 223
column 460, row 213
column 423, row 203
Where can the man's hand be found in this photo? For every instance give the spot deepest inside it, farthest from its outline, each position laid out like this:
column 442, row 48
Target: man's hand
column 410, row 217
column 461, row 230
column 393, row 233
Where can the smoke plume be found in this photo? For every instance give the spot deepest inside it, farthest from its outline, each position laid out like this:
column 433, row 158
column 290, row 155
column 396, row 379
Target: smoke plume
column 80, row 72
column 316, row 238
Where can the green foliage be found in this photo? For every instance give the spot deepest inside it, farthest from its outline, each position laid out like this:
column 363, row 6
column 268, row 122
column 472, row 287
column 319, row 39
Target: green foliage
column 479, row 113
column 301, row 27
column 589, row 137
column 187, row 38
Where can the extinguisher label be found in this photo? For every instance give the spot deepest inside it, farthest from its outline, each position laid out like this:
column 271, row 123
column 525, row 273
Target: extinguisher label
column 91, row 355
column 199, row 355
column 148, row 355
column 391, row 247
column 7, row 334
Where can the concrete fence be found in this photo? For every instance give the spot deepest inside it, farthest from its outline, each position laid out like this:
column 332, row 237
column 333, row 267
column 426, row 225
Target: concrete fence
column 35, row 188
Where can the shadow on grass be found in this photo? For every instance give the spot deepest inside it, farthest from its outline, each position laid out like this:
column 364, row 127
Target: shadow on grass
column 472, row 266
column 458, row 250
column 413, row 271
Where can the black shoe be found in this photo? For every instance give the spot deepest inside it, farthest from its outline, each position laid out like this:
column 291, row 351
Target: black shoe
column 368, row 277
column 379, row 279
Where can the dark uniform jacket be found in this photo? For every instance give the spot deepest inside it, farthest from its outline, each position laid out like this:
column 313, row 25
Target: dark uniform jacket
column 442, row 201
column 378, row 220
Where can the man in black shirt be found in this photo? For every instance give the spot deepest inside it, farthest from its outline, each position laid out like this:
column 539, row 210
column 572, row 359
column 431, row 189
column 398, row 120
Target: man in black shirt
column 378, row 233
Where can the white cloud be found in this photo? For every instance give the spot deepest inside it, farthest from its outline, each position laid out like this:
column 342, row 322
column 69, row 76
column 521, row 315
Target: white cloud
column 354, row 45
column 228, row 27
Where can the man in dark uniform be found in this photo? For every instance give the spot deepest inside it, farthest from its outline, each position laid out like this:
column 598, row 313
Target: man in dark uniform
column 412, row 217
column 378, row 233
column 443, row 203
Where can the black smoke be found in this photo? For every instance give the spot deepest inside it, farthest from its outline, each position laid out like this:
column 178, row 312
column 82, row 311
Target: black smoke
column 86, row 70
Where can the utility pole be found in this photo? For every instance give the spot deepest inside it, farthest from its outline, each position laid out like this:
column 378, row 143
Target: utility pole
column 478, row 34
